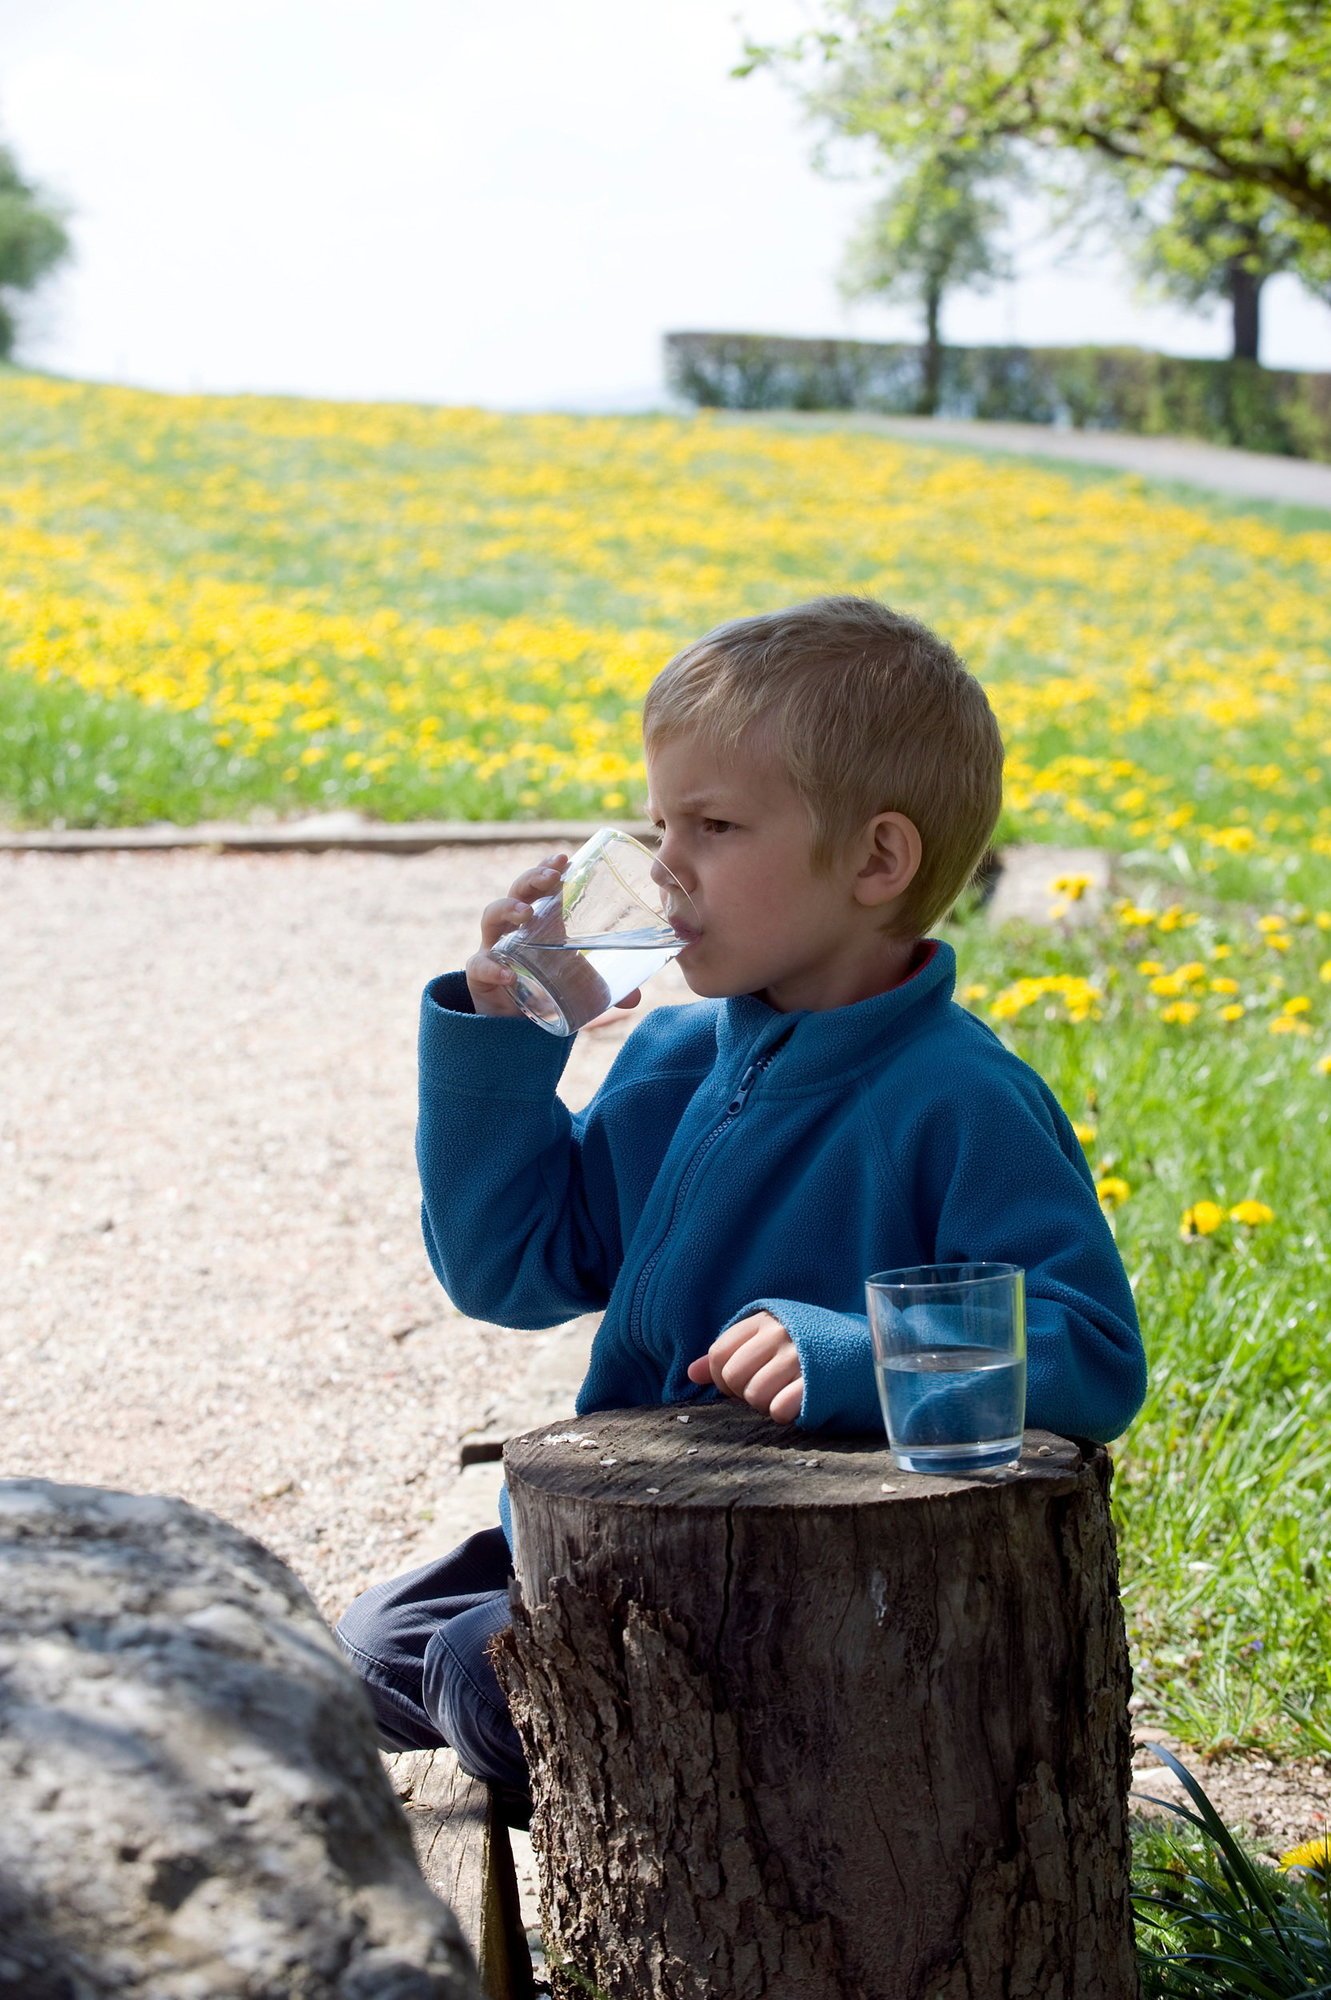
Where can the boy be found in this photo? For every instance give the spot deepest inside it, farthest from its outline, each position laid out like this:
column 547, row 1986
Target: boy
column 824, row 781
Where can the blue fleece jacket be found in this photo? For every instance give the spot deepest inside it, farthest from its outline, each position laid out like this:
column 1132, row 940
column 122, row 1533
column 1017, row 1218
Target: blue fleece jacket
column 737, row 1158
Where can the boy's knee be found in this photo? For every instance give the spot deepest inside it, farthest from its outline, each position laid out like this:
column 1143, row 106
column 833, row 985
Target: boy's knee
column 364, row 1630
column 462, row 1695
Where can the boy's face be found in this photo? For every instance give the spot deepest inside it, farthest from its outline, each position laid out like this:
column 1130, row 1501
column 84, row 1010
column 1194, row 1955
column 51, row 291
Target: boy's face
column 736, row 835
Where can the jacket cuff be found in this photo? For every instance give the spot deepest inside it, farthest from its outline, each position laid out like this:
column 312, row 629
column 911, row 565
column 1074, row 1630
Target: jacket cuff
column 836, row 1361
column 486, row 1055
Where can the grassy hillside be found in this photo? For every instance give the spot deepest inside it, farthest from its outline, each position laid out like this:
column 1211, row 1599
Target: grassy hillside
column 222, row 605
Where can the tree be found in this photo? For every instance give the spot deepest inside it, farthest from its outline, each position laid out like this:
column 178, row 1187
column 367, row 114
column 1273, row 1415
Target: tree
column 1214, row 244
column 932, row 234
column 33, row 240
column 1236, row 93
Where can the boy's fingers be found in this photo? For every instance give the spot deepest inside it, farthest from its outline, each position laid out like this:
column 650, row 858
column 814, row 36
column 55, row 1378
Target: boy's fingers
column 711, row 1366
column 775, row 1375
column 738, row 1373
column 788, row 1402
column 539, row 881
column 719, row 1354
column 486, row 971
column 498, row 919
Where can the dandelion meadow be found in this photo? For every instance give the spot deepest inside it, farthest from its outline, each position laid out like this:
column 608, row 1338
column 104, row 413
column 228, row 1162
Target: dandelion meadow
column 228, row 605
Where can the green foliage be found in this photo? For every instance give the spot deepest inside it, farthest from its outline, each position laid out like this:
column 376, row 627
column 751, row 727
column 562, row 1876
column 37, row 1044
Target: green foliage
column 1092, row 388
column 33, row 240
column 933, row 233
column 1219, row 243
column 1237, row 92
column 1191, row 252
column 1215, row 1923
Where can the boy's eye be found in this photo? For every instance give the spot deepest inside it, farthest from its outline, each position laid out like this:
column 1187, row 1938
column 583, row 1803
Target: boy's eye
column 657, row 835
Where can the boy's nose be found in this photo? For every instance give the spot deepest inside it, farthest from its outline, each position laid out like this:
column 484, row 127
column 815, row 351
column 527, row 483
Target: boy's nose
column 665, row 875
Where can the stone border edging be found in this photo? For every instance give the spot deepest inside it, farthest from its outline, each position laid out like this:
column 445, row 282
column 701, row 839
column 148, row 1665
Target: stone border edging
column 320, row 834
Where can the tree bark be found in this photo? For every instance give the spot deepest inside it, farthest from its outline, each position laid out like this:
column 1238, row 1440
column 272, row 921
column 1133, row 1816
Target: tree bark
column 933, row 352
column 1245, row 294
column 801, row 1724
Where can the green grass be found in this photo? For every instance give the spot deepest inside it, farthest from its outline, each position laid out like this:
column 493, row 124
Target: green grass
column 1220, row 1485
column 1215, row 1921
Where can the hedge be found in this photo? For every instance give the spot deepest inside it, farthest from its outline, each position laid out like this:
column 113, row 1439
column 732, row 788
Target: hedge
column 1089, row 388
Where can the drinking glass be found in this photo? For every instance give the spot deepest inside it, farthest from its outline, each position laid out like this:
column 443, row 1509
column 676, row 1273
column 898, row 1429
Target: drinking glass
column 949, row 1349
column 603, row 931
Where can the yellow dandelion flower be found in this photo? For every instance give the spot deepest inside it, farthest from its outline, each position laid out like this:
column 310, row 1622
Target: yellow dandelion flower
column 1202, row 1219
column 1324, row 971
column 1253, row 1213
column 1286, row 1024
column 977, row 990
column 1224, row 985
column 1315, row 1853
column 1323, row 920
column 1074, row 887
column 1278, row 941
column 1270, row 925
column 1148, row 967
column 1324, row 1065
column 1180, row 1012
column 1234, row 1012
column 1134, row 918
column 1222, row 951
column 1298, row 1003
column 1084, row 1130
column 1113, row 1190
column 1168, row 984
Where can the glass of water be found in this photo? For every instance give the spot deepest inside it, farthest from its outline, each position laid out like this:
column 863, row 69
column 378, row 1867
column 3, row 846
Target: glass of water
column 949, row 1349
column 607, row 927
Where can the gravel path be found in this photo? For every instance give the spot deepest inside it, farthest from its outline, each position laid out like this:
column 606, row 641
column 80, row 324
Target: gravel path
column 214, row 1283
column 207, row 1104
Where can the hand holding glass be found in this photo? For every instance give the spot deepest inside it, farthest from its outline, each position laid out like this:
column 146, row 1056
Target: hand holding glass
column 949, row 1346
column 610, row 925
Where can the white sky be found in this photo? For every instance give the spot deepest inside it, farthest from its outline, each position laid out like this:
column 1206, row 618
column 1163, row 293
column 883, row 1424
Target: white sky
column 495, row 201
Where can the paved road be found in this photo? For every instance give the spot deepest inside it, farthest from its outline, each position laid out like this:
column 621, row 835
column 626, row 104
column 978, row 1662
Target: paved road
column 1247, row 475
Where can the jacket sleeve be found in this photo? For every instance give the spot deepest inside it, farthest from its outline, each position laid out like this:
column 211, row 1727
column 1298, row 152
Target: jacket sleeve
column 518, row 1201
column 994, row 1173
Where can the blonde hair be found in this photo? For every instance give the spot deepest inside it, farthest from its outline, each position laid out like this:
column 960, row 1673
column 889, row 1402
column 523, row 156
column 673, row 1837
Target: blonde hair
column 868, row 711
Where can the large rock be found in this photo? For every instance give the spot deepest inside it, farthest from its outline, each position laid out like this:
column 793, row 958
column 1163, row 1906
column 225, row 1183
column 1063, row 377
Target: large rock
column 193, row 1804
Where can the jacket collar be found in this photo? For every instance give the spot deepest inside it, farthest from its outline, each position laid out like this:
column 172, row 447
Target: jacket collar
column 819, row 1046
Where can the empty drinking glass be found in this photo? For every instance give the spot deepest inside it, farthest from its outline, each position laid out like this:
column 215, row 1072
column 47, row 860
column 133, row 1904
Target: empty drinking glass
column 949, row 1345
column 604, row 931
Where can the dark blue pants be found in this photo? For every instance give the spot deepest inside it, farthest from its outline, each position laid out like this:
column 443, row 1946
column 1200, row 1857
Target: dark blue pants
column 418, row 1643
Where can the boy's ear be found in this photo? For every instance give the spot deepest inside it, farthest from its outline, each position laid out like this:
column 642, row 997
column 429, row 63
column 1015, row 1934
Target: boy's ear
column 891, row 853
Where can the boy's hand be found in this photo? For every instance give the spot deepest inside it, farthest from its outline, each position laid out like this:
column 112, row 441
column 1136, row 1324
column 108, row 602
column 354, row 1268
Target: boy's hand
column 755, row 1362
column 489, row 980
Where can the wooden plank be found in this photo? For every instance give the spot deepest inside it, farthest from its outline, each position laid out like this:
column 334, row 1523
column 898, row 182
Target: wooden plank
column 463, row 1848
column 545, row 1393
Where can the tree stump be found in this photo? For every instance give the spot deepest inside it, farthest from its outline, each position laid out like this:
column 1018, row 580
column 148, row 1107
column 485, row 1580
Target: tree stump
column 805, row 1727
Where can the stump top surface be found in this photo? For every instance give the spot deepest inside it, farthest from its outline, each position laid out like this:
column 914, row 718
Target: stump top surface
column 719, row 1455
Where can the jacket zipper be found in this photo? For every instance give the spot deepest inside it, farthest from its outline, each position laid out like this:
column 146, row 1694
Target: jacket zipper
column 732, row 1112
